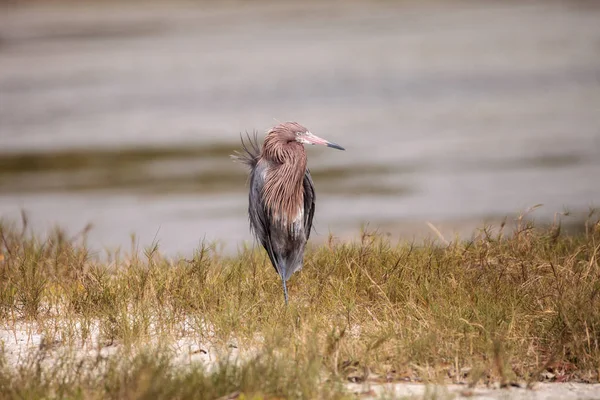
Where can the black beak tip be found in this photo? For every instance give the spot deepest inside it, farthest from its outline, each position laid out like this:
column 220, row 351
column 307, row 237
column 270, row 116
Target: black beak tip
column 335, row 146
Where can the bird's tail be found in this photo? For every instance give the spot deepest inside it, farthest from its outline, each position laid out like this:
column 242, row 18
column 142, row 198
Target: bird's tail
column 251, row 150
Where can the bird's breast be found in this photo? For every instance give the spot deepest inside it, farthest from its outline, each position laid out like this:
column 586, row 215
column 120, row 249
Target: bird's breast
column 297, row 225
column 292, row 228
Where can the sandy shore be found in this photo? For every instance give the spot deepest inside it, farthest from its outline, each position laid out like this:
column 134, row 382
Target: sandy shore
column 22, row 341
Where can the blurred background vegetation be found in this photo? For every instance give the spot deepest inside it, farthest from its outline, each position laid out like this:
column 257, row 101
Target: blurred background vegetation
column 123, row 114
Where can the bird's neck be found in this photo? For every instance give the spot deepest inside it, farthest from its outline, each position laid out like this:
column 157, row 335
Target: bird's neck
column 283, row 190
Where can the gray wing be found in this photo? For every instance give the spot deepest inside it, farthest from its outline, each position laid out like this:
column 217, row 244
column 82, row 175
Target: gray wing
column 259, row 223
column 309, row 203
column 257, row 212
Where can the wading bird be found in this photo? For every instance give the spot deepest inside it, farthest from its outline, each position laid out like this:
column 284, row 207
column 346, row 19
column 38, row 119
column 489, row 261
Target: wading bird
column 282, row 195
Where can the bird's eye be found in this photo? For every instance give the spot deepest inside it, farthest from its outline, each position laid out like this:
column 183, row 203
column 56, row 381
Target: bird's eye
column 298, row 133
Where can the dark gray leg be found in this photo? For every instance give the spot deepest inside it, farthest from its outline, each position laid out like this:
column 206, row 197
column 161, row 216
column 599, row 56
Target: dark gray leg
column 285, row 293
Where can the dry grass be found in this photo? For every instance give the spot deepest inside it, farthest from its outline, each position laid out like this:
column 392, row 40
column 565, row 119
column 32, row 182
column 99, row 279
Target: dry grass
column 499, row 308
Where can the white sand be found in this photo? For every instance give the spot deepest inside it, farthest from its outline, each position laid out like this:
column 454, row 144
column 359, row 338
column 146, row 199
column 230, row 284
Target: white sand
column 22, row 340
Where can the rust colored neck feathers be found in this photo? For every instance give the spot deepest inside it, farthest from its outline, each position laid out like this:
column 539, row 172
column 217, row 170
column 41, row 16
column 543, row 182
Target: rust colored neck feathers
column 283, row 190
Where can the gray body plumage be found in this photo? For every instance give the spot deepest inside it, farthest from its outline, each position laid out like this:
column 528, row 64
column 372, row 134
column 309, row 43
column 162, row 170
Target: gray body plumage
column 284, row 246
column 282, row 196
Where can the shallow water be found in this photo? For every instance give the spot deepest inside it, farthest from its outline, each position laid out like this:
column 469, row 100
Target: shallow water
column 451, row 112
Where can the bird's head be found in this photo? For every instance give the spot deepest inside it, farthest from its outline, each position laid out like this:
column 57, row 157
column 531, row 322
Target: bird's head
column 294, row 132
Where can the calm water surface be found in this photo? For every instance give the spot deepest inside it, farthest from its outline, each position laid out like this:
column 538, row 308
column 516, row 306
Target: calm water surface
column 124, row 116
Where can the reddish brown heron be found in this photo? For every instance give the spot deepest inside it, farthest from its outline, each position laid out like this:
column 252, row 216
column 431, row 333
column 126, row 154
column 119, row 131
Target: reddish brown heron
column 282, row 195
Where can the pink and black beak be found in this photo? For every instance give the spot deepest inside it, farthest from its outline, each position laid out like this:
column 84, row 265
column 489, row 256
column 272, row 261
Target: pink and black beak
column 312, row 139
